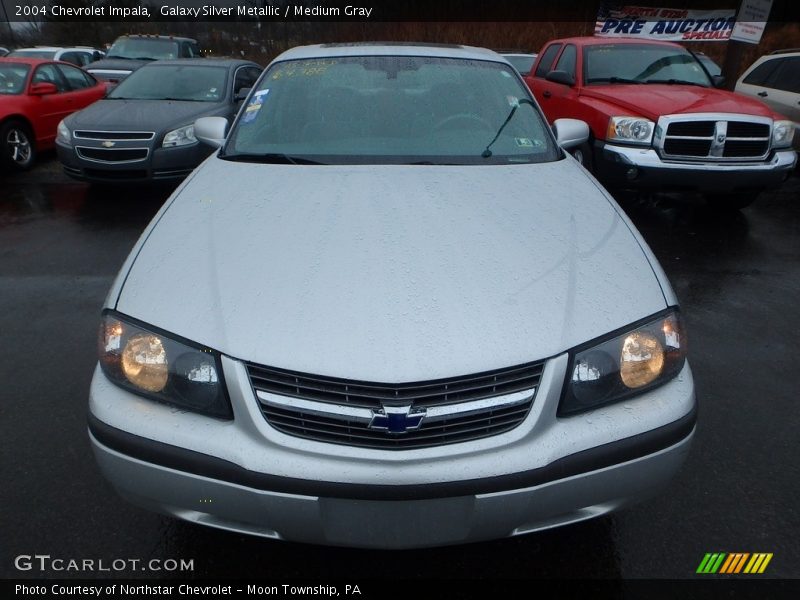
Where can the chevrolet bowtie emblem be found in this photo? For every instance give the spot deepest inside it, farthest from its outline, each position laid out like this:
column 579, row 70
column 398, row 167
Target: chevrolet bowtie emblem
column 397, row 419
column 108, row 144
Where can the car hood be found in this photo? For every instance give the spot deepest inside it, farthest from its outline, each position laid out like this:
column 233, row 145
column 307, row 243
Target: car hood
column 117, row 64
column 390, row 273
column 136, row 115
column 654, row 100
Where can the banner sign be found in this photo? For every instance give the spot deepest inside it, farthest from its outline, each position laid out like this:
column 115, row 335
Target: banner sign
column 669, row 24
column 752, row 18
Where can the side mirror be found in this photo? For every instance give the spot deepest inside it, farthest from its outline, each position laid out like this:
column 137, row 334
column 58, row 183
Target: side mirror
column 43, row 89
column 570, row 132
column 211, row 130
column 241, row 94
column 717, row 81
column 561, row 77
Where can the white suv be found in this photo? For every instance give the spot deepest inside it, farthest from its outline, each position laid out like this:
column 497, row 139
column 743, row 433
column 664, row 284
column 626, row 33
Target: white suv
column 77, row 56
column 775, row 79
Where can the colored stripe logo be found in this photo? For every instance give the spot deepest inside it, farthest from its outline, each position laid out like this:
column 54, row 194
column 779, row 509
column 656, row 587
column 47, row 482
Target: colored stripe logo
column 734, row 563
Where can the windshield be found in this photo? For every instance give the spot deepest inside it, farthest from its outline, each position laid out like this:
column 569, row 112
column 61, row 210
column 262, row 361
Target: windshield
column 173, row 82
column 521, row 62
column 390, row 109
column 143, row 49
column 641, row 63
column 47, row 54
column 12, row 78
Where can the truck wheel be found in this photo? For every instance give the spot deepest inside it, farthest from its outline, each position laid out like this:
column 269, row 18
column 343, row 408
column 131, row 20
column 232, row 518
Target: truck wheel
column 17, row 150
column 583, row 154
column 731, row 201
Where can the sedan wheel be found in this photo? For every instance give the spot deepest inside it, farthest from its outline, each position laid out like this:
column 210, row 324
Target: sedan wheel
column 18, row 147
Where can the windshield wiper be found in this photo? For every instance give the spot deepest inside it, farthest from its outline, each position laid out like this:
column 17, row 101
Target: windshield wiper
column 270, row 158
column 612, row 80
column 487, row 152
column 117, row 56
column 675, row 82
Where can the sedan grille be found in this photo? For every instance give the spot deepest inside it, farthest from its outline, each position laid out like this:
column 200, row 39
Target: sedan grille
column 395, row 416
column 115, row 155
column 82, row 134
column 715, row 140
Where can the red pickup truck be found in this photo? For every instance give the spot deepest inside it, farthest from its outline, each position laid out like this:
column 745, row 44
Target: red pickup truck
column 657, row 120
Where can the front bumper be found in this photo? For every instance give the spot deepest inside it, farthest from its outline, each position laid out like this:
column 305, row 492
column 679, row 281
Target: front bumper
column 244, row 476
column 628, row 167
column 160, row 165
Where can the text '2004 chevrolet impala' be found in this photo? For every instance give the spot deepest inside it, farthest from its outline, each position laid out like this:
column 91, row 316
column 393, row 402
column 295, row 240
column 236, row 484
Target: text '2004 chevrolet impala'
column 390, row 312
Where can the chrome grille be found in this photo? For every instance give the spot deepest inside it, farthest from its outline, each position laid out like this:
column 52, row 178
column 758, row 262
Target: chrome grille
column 346, row 412
column 83, row 134
column 724, row 137
column 113, row 155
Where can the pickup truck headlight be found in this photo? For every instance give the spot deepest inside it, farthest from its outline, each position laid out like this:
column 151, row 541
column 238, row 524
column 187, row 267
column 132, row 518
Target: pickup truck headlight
column 783, row 134
column 624, row 365
column 63, row 134
column 183, row 136
column 159, row 366
column 631, row 130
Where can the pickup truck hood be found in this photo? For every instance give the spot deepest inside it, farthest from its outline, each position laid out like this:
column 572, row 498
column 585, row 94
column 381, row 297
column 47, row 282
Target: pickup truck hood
column 654, row 100
column 116, row 64
column 141, row 115
column 390, row 273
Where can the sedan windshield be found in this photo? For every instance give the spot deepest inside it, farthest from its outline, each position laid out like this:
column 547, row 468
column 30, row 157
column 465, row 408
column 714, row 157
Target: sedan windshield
column 12, row 78
column 173, row 82
column 143, row 49
column 391, row 109
column 642, row 63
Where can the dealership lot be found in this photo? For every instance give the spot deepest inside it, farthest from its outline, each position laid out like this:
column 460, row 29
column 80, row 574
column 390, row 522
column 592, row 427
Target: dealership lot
column 737, row 275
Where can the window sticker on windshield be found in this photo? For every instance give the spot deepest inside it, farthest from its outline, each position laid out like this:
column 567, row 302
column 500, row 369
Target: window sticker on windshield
column 526, row 142
column 513, row 101
column 251, row 112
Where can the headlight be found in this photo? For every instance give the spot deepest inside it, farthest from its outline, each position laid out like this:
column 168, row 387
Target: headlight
column 155, row 365
column 180, row 137
column 624, row 365
column 633, row 130
column 782, row 134
column 63, row 134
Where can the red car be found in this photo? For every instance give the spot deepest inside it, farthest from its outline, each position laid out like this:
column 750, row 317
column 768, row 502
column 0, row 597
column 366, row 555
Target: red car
column 35, row 95
column 658, row 122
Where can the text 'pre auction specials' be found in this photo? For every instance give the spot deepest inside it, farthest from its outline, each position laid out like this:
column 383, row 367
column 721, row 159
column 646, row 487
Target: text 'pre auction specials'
column 288, row 11
column 122, row 589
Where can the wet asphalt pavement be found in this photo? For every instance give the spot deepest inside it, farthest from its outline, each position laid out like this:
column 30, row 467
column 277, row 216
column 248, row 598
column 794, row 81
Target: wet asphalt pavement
column 738, row 278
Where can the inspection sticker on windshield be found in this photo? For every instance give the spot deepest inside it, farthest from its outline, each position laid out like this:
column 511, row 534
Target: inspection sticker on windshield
column 255, row 105
column 524, row 142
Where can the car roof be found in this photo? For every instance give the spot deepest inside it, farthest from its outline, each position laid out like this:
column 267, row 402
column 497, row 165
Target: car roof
column 202, row 62
column 389, row 49
column 599, row 40
column 25, row 60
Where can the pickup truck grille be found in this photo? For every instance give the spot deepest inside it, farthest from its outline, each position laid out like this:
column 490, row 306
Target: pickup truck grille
column 732, row 139
column 399, row 416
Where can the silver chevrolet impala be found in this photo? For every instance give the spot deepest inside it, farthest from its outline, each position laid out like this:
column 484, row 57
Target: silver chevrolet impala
column 390, row 312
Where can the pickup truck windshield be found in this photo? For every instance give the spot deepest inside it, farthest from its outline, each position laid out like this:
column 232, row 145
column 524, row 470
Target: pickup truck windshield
column 144, row 49
column 391, row 109
column 642, row 63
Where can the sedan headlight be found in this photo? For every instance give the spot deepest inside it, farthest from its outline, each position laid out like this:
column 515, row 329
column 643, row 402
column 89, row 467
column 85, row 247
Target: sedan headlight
column 782, row 134
column 624, row 365
column 63, row 134
column 182, row 136
column 632, row 130
column 158, row 366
